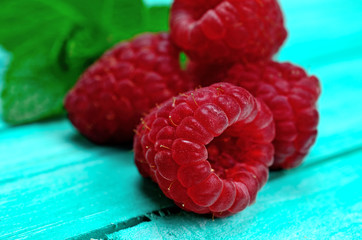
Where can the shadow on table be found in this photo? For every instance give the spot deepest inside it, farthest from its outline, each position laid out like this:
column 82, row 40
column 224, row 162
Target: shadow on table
column 83, row 142
column 154, row 193
column 277, row 175
column 167, row 207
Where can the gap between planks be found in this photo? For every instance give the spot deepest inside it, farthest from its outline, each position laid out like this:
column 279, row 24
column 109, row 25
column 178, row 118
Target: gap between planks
column 101, row 233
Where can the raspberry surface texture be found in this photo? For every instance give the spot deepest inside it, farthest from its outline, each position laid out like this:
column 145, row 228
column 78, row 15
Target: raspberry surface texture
column 289, row 93
column 209, row 150
column 127, row 81
column 220, row 31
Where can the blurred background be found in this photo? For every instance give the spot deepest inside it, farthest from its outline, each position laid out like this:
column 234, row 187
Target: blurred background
column 54, row 181
column 46, row 46
column 51, row 44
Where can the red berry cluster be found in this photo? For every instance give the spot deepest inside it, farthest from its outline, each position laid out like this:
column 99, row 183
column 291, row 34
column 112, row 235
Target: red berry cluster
column 219, row 31
column 126, row 82
column 208, row 149
column 289, row 93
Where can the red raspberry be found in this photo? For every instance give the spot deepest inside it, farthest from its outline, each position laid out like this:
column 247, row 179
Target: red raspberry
column 221, row 31
column 290, row 94
column 126, row 82
column 208, row 149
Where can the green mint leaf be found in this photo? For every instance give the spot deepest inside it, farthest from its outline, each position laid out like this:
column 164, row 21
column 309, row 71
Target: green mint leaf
column 26, row 22
column 35, row 32
column 53, row 42
column 157, row 18
column 123, row 18
column 34, row 89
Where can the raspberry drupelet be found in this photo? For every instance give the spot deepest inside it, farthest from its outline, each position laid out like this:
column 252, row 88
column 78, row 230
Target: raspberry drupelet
column 127, row 81
column 208, row 150
column 289, row 93
column 221, row 31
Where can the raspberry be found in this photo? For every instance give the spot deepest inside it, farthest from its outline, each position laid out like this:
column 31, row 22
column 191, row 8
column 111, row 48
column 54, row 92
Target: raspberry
column 290, row 94
column 219, row 31
column 126, row 82
column 209, row 150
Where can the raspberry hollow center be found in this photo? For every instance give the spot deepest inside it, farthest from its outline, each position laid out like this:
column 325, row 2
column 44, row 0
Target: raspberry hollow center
column 208, row 149
column 222, row 154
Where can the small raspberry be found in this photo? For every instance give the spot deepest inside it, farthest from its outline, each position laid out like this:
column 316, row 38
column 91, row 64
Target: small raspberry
column 209, row 150
column 126, row 82
column 290, row 94
column 219, row 31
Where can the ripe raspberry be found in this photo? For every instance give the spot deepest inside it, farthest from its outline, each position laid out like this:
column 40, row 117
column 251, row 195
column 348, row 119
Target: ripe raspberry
column 219, row 31
column 290, row 94
column 126, row 82
column 208, row 149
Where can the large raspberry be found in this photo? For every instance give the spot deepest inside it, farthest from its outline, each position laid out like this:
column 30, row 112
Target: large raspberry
column 287, row 90
column 126, row 82
column 209, row 150
column 219, row 31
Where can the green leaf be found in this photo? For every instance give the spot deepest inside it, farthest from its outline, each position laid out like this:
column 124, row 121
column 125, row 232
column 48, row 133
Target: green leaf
column 35, row 21
column 157, row 18
column 34, row 89
column 53, row 42
column 123, row 18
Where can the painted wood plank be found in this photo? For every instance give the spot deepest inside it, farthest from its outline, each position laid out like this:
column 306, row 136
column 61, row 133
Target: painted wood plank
column 73, row 187
column 324, row 202
column 321, row 31
column 95, row 192
column 341, row 84
column 340, row 107
column 62, row 146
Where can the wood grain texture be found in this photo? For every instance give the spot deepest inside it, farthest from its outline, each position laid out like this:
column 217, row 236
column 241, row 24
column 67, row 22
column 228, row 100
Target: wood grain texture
column 324, row 202
column 72, row 187
column 54, row 184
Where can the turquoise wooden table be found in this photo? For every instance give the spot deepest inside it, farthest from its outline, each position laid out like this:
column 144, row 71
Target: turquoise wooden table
column 54, row 184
